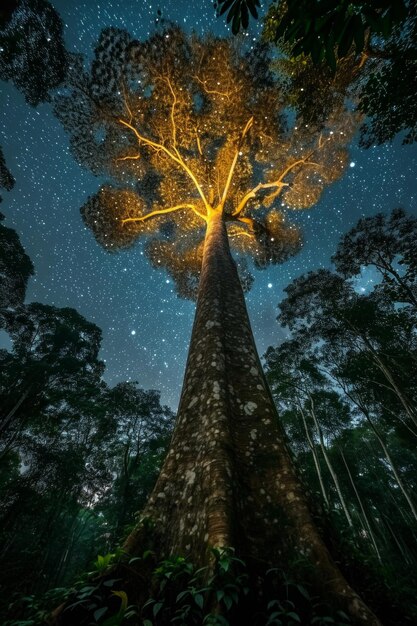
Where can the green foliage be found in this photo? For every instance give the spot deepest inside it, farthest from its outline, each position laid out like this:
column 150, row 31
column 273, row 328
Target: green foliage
column 36, row 609
column 33, row 52
column 91, row 454
column 102, row 563
column 15, row 265
column 224, row 594
column 344, row 387
column 188, row 596
column 6, row 178
column 362, row 52
column 238, row 12
column 326, row 29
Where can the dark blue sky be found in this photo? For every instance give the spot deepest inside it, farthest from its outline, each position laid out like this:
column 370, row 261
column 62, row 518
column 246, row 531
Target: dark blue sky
column 146, row 328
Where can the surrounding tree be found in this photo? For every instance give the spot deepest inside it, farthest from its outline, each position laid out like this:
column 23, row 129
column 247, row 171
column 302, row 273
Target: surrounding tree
column 355, row 349
column 33, row 54
column 6, row 179
column 15, row 269
column 388, row 245
column 327, row 30
column 192, row 133
column 361, row 51
column 238, row 12
column 76, row 458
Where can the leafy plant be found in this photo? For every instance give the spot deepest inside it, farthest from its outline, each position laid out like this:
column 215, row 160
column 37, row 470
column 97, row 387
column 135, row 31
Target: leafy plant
column 238, row 12
column 102, row 563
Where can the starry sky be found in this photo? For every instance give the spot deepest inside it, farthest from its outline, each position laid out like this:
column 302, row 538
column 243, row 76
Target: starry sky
column 146, row 327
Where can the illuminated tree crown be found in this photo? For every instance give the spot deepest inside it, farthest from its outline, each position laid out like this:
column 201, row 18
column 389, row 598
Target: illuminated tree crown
column 187, row 127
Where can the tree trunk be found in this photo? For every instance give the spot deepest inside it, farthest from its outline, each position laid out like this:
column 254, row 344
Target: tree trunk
column 329, row 464
column 312, row 447
column 364, row 516
column 228, row 479
column 392, row 465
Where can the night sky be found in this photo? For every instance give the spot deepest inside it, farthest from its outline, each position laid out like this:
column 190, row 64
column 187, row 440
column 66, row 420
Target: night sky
column 146, row 327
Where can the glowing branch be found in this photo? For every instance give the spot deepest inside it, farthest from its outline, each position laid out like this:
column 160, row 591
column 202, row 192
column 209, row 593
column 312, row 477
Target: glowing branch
column 235, row 158
column 225, row 94
column 126, row 101
column 177, row 158
column 277, row 184
column 127, row 158
column 199, row 144
column 247, row 220
column 171, row 209
column 174, row 126
column 242, row 233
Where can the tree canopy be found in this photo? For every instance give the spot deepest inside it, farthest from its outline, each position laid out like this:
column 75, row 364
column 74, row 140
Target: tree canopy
column 364, row 51
column 15, row 268
column 183, row 125
column 33, row 54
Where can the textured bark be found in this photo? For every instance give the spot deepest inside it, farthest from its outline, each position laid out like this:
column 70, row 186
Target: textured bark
column 228, row 479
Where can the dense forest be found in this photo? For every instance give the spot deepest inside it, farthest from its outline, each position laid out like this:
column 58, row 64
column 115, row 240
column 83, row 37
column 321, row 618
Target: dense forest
column 79, row 459
column 284, row 490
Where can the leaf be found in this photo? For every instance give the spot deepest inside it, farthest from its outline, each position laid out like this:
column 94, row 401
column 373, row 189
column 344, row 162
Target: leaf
column 87, row 590
column 343, row 615
column 252, row 4
column 199, row 600
column 228, row 602
column 225, row 4
column 182, row 595
column 100, row 612
column 331, row 57
column 147, row 554
column 157, row 607
column 244, row 13
column 147, row 622
column 347, row 38
column 224, row 564
column 294, row 616
column 273, row 603
column 359, row 34
column 236, row 24
column 135, row 558
column 303, row 592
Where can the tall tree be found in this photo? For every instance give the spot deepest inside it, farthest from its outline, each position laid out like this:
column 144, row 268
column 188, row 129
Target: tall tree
column 6, row 178
column 15, row 269
column 192, row 134
column 33, row 54
column 366, row 49
column 143, row 428
column 388, row 245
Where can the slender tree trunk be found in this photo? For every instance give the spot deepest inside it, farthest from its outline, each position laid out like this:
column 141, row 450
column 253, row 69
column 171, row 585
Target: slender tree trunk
column 329, row 464
column 312, row 447
column 7, row 418
column 383, row 367
column 228, row 479
column 392, row 465
column 359, row 499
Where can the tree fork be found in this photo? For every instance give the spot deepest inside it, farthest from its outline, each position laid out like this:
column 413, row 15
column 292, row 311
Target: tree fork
column 228, row 479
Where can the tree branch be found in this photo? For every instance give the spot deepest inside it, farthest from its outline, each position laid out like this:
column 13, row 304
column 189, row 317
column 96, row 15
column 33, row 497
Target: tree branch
column 174, row 126
column 171, row 209
column 233, row 165
column 159, row 146
column 278, row 184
